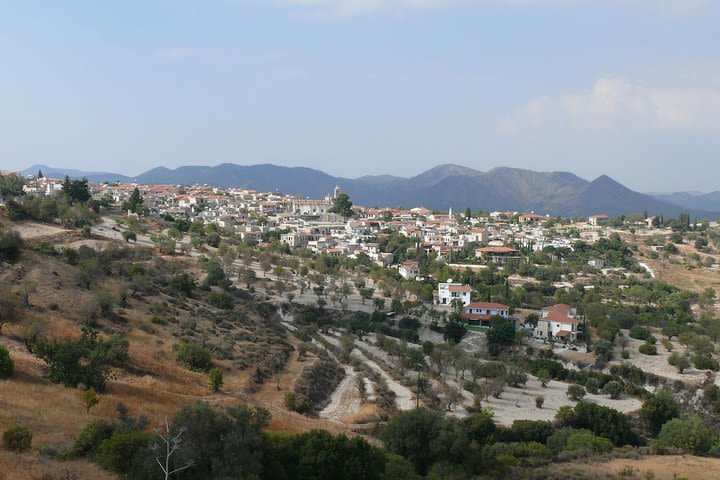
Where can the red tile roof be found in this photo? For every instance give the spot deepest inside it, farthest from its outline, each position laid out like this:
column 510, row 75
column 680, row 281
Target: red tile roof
column 460, row 288
column 560, row 318
column 562, row 308
column 496, row 250
column 487, row 306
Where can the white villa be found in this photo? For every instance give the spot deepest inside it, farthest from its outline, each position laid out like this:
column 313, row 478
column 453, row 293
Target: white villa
column 558, row 322
column 409, row 270
column 480, row 313
column 449, row 291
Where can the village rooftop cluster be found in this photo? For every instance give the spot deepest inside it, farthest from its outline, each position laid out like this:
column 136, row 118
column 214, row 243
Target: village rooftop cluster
column 499, row 237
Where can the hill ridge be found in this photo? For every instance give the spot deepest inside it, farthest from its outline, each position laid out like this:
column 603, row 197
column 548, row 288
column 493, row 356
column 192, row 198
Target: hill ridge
column 441, row 187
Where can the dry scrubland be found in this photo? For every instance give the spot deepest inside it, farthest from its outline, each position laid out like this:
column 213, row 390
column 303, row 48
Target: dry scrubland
column 673, row 271
column 154, row 384
column 667, row 467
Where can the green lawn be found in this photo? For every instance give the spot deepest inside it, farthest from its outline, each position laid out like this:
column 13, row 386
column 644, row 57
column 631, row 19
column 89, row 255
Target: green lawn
column 477, row 328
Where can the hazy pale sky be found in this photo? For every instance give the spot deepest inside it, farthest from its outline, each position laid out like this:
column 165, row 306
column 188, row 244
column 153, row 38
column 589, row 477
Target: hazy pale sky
column 628, row 88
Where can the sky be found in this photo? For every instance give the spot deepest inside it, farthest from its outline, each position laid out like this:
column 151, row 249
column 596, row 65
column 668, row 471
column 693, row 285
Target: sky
column 627, row 88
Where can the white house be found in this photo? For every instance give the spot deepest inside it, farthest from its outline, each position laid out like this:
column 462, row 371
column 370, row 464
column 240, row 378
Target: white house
column 480, row 313
column 558, row 322
column 310, row 207
column 596, row 263
column 449, row 291
column 409, row 270
column 497, row 254
column 596, row 220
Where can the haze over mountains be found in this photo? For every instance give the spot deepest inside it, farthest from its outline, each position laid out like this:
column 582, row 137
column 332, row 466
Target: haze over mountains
column 442, row 187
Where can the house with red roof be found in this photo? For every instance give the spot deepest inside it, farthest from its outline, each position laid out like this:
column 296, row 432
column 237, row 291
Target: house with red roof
column 497, row 254
column 531, row 218
column 409, row 269
column 480, row 313
column 558, row 322
column 449, row 291
column 596, row 220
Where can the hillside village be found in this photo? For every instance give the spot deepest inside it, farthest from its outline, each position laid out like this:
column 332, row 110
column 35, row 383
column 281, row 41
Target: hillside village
column 343, row 317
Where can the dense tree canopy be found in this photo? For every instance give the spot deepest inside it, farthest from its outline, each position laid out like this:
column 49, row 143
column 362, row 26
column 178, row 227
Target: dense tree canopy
column 77, row 190
column 342, row 205
column 424, row 437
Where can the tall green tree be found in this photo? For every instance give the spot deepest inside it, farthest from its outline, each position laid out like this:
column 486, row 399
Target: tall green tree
column 76, row 190
column 223, row 443
column 11, row 185
column 342, row 205
column 134, row 204
column 424, row 437
column 659, row 409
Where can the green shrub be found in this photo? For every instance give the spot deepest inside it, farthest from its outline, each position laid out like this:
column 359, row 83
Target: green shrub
column 425, row 437
column 555, row 369
column 602, row 421
column 667, row 344
column 639, row 333
column 119, row 452
column 613, row 388
column 290, row 400
column 194, row 357
column 221, row 300
column 89, row 440
column 592, row 385
column 216, row 379
column 159, row 320
column 575, row 392
column 409, row 323
column 83, row 361
column 521, row 453
column 647, row 349
column 105, row 302
column 10, row 244
column 183, row 284
column 625, row 354
column 557, row 442
column 526, row 431
column 659, row 409
column 629, row 372
column 17, row 439
column 687, row 433
column 704, row 362
column 6, row 364
column 588, row 441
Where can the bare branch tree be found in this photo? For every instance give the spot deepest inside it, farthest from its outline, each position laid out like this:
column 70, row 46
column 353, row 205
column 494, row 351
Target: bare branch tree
column 172, row 444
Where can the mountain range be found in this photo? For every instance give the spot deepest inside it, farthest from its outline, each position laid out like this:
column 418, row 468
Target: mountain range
column 442, row 187
column 692, row 200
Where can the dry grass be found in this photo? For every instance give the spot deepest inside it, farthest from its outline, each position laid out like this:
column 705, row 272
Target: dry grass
column 153, row 385
column 664, row 467
column 273, row 391
column 674, row 272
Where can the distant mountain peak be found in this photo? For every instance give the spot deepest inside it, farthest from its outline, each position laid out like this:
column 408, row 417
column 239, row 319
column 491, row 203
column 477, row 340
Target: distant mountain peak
column 502, row 188
column 606, row 181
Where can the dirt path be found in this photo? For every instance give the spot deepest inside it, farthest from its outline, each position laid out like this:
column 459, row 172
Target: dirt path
column 403, row 395
column 649, row 270
column 345, row 400
column 30, row 230
column 519, row 403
